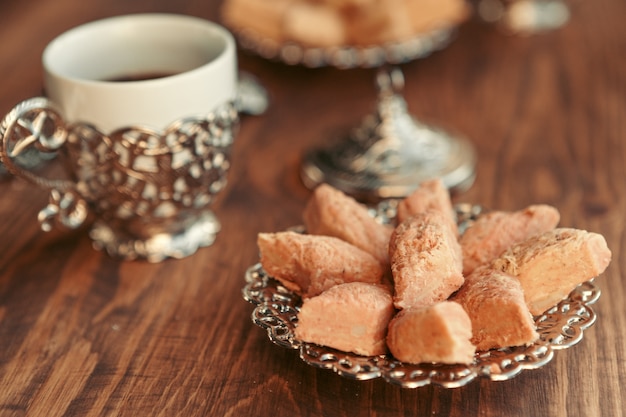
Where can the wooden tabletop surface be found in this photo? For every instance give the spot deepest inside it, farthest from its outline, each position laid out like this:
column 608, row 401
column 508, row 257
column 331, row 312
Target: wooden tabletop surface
column 83, row 334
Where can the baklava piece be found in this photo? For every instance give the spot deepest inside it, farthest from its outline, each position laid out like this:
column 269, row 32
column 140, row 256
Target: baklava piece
column 494, row 232
column 330, row 212
column 494, row 302
column 549, row 266
column 308, row 264
column 351, row 317
column 426, row 263
column 439, row 333
column 429, row 195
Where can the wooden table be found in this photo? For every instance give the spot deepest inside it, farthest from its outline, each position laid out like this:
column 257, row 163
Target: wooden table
column 82, row 334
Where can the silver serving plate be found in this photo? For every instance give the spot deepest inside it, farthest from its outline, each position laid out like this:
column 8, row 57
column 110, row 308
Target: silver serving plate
column 342, row 56
column 561, row 327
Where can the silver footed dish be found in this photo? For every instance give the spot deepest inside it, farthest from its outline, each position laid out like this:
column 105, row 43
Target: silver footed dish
column 560, row 327
column 390, row 151
column 343, row 56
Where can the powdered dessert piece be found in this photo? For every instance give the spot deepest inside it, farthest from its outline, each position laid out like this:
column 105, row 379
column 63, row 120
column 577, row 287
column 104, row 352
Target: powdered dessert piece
column 340, row 23
column 494, row 232
column 429, row 15
column 331, row 212
column 308, row 264
column 351, row 317
column 347, row 4
column 494, row 302
column 378, row 22
column 263, row 17
column 429, row 195
column 550, row 265
column 439, row 333
column 426, row 262
column 313, row 24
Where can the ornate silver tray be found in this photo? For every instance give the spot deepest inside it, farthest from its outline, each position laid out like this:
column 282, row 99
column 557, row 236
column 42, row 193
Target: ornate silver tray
column 561, row 327
column 345, row 56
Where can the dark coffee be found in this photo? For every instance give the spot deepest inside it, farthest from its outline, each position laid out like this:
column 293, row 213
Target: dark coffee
column 140, row 77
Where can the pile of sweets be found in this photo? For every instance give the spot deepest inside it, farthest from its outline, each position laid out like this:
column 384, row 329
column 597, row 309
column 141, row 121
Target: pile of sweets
column 418, row 288
column 334, row 23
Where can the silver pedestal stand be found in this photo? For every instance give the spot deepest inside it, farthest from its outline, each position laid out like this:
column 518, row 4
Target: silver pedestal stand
column 391, row 152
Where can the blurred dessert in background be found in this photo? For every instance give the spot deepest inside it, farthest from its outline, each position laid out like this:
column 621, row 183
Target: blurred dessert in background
column 329, row 23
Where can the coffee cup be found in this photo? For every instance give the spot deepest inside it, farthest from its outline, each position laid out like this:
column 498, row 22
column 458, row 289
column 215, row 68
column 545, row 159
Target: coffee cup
column 141, row 111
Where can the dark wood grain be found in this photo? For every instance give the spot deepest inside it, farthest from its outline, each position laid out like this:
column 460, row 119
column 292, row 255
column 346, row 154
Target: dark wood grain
column 82, row 334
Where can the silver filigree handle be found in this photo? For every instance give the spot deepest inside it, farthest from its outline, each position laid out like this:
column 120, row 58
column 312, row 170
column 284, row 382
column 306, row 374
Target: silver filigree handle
column 37, row 123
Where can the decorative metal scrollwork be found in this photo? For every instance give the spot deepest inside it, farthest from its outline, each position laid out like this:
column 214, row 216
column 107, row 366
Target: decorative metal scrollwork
column 140, row 183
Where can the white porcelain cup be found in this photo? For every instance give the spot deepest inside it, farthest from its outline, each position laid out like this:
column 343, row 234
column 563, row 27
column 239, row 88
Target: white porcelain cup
column 80, row 63
column 145, row 156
